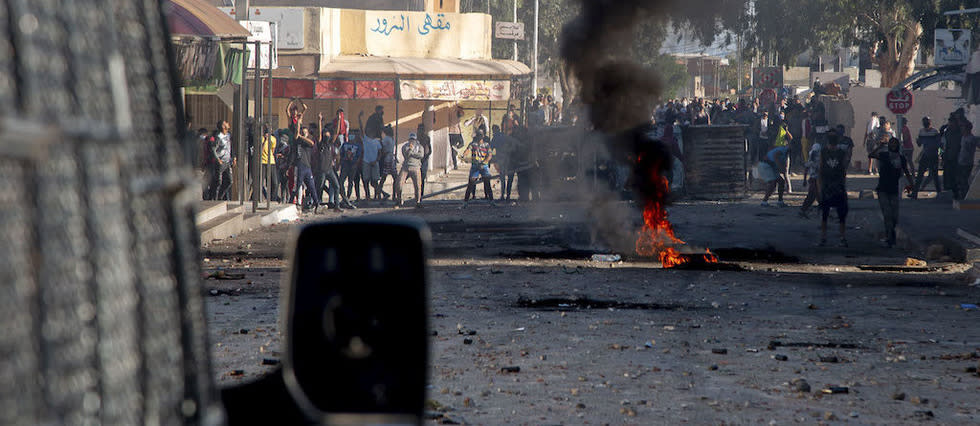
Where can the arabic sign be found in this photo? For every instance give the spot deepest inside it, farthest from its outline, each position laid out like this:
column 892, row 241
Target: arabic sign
column 509, row 30
column 455, row 90
column 952, row 47
column 403, row 22
column 290, row 23
column 767, row 77
column 414, row 34
column 899, row 101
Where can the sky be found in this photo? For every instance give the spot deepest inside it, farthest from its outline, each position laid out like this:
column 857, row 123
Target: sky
column 688, row 45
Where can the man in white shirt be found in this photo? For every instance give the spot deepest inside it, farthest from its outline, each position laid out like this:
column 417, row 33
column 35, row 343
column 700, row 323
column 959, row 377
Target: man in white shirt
column 477, row 121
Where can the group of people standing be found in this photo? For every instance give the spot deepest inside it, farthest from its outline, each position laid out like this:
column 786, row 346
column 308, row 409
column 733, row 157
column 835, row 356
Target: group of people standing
column 789, row 134
column 307, row 159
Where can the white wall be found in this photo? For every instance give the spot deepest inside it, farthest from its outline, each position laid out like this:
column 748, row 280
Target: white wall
column 936, row 104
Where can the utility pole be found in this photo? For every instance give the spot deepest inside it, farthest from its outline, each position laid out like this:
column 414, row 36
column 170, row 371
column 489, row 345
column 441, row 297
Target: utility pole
column 738, row 86
column 515, row 21
column 534, row 80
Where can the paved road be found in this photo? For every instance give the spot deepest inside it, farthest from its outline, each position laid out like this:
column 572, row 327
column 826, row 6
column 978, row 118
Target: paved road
column 757, row 340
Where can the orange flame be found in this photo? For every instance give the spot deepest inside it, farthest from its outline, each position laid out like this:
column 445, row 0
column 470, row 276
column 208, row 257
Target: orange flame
column 656, row 237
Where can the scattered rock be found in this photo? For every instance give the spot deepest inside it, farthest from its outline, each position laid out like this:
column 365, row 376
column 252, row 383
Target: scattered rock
column 270, row 361
column 780, row 357
column 713, row 367
column 836, row 389
column 918, row 400
column 510, row 369
column 853, row 414
column 829, row 416
column 243, row 331
column 629, row 412
column 720, row 351
column 580, row 406
column 467, row 341
column 800, row 385
column 830, row 359
column 237, row 373
column 898, row 396
column 924, row 414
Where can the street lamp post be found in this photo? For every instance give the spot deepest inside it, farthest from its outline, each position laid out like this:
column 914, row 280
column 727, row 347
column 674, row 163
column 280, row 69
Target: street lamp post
column 534, row 81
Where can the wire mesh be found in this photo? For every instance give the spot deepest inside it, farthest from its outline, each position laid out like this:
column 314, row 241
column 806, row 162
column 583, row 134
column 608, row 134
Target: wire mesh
column 101, row 305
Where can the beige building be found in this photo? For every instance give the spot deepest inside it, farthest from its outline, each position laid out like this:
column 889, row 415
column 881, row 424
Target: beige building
column 414, row 63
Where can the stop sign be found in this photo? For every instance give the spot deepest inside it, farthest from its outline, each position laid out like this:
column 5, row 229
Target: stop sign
column 899, row 101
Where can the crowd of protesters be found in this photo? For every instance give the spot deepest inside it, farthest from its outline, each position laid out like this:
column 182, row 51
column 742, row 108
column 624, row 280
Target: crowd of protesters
column 351, row 164
column 795, row 135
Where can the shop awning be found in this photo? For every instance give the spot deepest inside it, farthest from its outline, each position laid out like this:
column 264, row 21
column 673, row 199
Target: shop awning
column 420, row 68
column 201, row 19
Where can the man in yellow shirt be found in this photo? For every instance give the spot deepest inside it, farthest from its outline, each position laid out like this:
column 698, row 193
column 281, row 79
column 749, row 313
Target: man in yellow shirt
column 269, row 164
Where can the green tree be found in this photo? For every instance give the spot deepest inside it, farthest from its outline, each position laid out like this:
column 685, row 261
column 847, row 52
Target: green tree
column 896, row 30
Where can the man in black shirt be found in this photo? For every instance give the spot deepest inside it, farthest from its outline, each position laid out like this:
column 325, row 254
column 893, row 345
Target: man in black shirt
column 375, row 123
column 304, row 172
column 833, row 191
column 951, row 152
column 891, row 165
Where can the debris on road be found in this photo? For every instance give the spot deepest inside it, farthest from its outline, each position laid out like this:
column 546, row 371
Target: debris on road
column 911, row 261
column 270, row 361
column 836, row 389
column 606, row 258
column 800, row 385
column 719, row 351
column 223, row 275
column 510, row 369
column 780, row 357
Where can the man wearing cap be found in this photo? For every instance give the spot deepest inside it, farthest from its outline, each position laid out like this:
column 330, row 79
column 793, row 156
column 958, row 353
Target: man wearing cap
column 480, row 154
column 412, row 154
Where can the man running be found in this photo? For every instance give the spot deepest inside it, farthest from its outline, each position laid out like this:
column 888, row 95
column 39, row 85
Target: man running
column 833, row 191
